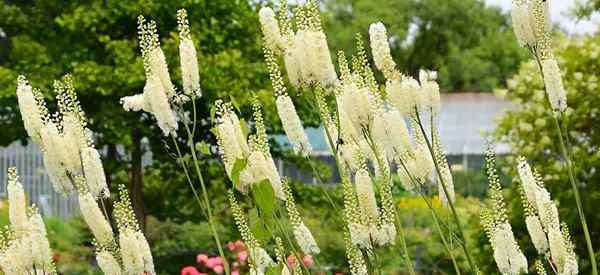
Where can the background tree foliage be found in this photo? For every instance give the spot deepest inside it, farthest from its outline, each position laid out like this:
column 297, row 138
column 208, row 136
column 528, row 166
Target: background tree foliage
column 471, row 45
column 528, row 128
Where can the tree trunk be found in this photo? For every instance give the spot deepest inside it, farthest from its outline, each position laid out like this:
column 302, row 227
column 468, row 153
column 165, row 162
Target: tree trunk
column 112, row 156
column 136, row 186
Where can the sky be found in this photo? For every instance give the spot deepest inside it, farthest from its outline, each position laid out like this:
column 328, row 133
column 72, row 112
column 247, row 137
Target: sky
column 559, row 10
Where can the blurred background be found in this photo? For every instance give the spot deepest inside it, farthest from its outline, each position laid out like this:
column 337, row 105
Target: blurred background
column 491, row 92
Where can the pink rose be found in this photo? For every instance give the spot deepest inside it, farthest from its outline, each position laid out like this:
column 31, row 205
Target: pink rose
column 235, row 272
column 213, row 261
column 231, row 246
column 201, row 258
column 218, row 269
column 242, row 256
column 308, row 261
column 189, row 270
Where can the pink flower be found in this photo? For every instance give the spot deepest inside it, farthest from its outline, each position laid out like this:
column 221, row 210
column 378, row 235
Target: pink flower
column 291, row 260
column 231, row 246
column 242, row 256
column 218, row 269
column 240, row 244
column 201, row 258
column 214, row 261
column 235, row 272
column 308, row 261
column 189, row 270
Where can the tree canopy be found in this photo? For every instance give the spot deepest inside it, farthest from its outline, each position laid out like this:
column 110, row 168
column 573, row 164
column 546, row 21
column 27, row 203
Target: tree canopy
column 470, row 44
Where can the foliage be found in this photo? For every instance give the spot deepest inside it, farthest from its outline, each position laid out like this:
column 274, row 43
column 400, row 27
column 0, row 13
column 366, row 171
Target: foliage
column 470, row 44
column 528, row 128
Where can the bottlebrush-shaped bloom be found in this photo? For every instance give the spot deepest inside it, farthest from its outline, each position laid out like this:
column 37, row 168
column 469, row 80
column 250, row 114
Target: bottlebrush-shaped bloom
column 522, row 25
column 188, row 58
column 108, row 264
column 554, row 86
column 270, row 29
column 380, row 48
column 96, row 221
column 28, row 105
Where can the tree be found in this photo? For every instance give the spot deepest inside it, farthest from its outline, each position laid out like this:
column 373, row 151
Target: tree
column 469, row 43
column 528, row 129
column 96, row 41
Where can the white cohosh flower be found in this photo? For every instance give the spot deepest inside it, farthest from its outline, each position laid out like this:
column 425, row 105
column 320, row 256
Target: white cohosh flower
column 430, row 91
column 293, row 57
column 292, row 125
column 158, row 68
column 404, row 94
column 190, row 74
column 94, row 172
column 40, row 247
column 261, row 259
column 15, row 258
column 308, row 60
column 30, row 113
column 366, row 195
column 509, row 258
column 54, row 158
column 93, row 217
column 423, row 163
column 360, row 235
column 16, row 202
column 305, row 240
column 136, row 103
column 357, row 105
column 522, row 25
column 158, row 102
column 381, row 50
column 449, row 182
column 558, row 249
column 539, row 18
column 261, row 167
column 528, row 180
column 554, row 86
column 547, row 210
column 390, row 131
column 537, row 234
column 108, row 264
column 232, row 143
column 135, row 253
column 386, row 234
column 72, row 137
column 270, row 29
column 406, row 166
column 320, row 64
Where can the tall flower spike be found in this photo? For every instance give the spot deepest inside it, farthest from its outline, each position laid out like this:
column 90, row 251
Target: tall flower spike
column 135, row 251
column 16, row 200
column 539, row 16
column 355, row 258
column 366, row 196
column 358, row 230
column 188, row 58
column 154, row 59
column 430, row 91
column 522, row 25
column 259, row 259
column 30, row 113
column 390, row 131
column 534, row 226
column 270, row 29
column 302, row 234
column 494, row 219
column 381, row 51
column 281, row 260
column 403, row 94
column 554, row 86
column 446, row 174
column 94, row 172
column 292, row 125
column 107, row 263
column 96, row 221
column 262, row 143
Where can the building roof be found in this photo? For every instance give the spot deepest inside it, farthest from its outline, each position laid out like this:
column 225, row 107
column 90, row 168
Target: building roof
column 464, row 119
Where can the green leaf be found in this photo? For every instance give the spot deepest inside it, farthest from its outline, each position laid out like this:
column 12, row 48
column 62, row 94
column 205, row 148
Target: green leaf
column 244, row 127
column 238, row 166
column 258, row 227
column 203, row 148
column 264, row 197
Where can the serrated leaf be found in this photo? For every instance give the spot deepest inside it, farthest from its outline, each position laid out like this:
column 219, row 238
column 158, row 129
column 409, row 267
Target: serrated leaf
column 238, row 166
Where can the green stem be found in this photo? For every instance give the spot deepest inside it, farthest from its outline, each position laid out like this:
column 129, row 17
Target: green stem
column 571, row 173
column 407, row 259
column 448, row 248
column 206, row 199
column 450, row 203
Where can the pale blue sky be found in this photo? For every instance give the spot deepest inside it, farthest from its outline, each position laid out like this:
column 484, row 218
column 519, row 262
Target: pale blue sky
column 559, row 10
